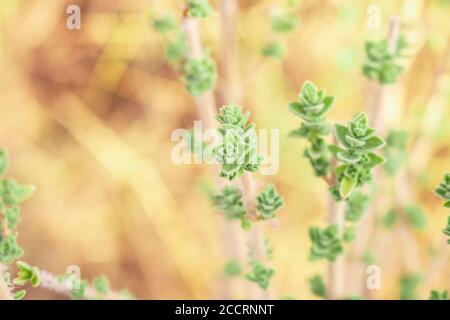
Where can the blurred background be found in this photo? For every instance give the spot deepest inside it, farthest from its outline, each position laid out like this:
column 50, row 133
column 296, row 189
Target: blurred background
column 87, row 117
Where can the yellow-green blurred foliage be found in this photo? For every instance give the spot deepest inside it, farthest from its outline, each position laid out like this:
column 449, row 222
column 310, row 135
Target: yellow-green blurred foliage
column 87, row 116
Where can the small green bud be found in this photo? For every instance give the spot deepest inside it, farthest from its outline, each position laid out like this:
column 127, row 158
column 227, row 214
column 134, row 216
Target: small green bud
column 325, row 243
column 200, row 75
column 4, row 161
column 26, row 274
column 199, row 8
column 19, row 295
column 101, row 284
column 260, row 275
column 268, row 202
column 233, row 268
column 318, row 287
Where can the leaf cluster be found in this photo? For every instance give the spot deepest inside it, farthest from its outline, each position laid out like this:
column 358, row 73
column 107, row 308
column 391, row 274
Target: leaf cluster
column 237, row 151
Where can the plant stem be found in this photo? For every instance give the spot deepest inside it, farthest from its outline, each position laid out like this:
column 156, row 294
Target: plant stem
column 230, row 88
column 205, row 103
column 206, row 107
column 5, row 293
column 257, row 238
column 367, row 225
column 50, row 281
column 336, row 270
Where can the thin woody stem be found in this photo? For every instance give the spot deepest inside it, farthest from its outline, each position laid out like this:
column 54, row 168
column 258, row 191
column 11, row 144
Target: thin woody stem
column 206, row 108
column 366, row 227
column 230, row 91
column 206, row 102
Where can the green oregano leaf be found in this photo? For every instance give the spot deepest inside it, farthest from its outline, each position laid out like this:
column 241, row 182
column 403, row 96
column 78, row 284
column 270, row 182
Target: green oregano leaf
column 237, row 151
column 27, row 274
column 389, row 218
column 436, row 295
column 284, row 22
column 199, row 8
column 200, row 75
column 4, row 161
column 443, row 191
column 325, row 243
column 19, row 295
column 382, row 65
column 260, row 274
column 312, row 107
column 101, row 284
column 317, row 286
column 416, row 216
column 349, row 234
column 359, row 141
column 233, row 268
column 9, row 249
column 268, row 202
column 356, row 205
column 164, row 23
column 273, row 50
column 408, row 286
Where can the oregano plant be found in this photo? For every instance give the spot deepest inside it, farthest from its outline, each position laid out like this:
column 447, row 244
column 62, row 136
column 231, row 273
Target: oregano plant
column 443, row 191
column 237, row 153
column 345, row 163
column 12, row 195
column 382, row 64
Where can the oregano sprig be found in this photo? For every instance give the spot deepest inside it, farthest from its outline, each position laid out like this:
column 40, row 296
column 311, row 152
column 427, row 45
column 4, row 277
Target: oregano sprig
column 200, row 75
column 199, row 8
column 260, row 274
column 229, row 202
column 443, row 191
column 326, row 243
column 312, row 107
column 268, row 202
column 382, row 65
column 359, row 140
column 237, row 151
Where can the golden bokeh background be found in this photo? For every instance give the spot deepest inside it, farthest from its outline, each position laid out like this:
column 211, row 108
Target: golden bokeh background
column 87, row 117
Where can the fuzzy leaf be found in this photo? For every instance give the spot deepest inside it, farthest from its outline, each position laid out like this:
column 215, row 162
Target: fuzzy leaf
column 4, row 161
column 318, row 287
column 346, row 186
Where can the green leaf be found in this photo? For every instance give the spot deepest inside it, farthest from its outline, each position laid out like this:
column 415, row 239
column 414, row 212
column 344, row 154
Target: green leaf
column 101, row 284
column 346, row 186
column 268, row 202
column 356, row 205
column 4, row 161
column 349, row 234
column 200, row 75
column 408, row 286
column 26, row 274
column 273, row 50
column 325, row 243
column 436, row 295
column 260, row 275
column 373, row 142
column 341, row 133
column 348, row 157
column 318, row 287
column 164, row 24
column 199, row 8
column 389, row 218
column 19, row 295
column 416, row 216
column 284, row 23
column 233, row 268
column 246, row 225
